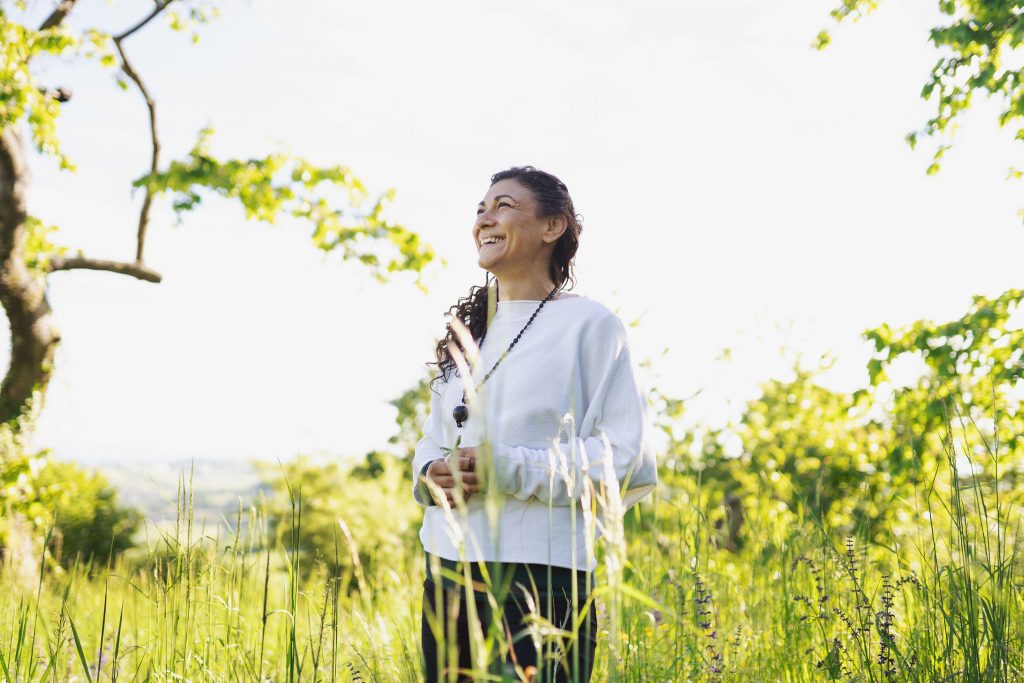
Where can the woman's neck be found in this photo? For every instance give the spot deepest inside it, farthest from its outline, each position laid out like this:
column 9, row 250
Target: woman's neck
column 518, row 290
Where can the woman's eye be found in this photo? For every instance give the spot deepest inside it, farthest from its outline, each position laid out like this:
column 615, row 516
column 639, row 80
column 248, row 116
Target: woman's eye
column 480, row 211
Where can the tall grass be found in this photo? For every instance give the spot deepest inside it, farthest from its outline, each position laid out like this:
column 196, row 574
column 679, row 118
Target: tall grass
column 799, row 602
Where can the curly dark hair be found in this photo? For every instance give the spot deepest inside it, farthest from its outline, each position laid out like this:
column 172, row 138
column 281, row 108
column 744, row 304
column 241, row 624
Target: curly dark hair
column 552, row 197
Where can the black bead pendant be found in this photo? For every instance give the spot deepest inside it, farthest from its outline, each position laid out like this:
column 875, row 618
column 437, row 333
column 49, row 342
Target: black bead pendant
column 461, row 414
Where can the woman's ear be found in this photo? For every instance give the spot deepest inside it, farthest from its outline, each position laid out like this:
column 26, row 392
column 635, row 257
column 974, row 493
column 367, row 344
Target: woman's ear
column 556, row 226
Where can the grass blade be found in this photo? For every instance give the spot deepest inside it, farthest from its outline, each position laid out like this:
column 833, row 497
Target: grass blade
column 78, row 646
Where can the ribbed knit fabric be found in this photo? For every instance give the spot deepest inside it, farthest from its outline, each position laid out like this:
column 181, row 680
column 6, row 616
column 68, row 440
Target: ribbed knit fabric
column 566, row 391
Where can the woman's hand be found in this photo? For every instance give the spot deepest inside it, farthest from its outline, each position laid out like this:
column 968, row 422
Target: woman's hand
column 441, row 472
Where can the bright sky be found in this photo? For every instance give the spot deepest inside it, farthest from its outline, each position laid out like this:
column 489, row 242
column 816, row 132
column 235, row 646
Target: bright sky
column 739, row 190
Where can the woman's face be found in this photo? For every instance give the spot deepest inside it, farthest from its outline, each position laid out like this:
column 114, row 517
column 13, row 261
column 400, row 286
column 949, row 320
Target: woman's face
column 510, row 238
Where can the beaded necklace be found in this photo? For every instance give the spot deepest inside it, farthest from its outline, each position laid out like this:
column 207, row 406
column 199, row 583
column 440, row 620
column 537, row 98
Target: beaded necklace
column 461, row 412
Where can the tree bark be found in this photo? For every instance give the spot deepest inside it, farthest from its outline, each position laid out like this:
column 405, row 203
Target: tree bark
column 57, row 16
column 34, row 337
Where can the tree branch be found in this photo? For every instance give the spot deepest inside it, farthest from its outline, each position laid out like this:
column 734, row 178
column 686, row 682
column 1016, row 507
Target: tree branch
column 136, row 270
column 129, row 71
column 147, row 201
column 160, row 7
column 57, row 16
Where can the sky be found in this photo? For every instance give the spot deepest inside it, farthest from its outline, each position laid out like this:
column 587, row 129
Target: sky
column 739, row 190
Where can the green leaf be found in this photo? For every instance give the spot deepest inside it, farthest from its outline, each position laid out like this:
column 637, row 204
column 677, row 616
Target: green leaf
column 279, row 184
column 831, row 662
column 81, row 652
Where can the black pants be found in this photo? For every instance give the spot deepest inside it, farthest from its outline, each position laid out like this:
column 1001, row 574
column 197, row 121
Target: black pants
column 567, row 659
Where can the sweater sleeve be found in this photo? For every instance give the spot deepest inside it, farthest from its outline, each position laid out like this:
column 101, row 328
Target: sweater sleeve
column 614, row 425
column 428, row 448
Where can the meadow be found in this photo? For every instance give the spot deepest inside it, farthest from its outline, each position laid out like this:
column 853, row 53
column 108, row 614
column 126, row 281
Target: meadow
column 797, row 602
column 864, row 536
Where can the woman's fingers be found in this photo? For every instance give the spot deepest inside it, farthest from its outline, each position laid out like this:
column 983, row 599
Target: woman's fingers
column 445, row 481
column 467, row 452
column 467, row 490
column 469, row 479
column 441, row 472
column 464, row 463
column 438, row 468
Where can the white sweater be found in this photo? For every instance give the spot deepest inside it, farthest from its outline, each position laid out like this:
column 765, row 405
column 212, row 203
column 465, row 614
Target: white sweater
column 566, row 386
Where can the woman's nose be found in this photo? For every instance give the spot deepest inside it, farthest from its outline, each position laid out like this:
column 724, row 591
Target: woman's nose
column 484, row 218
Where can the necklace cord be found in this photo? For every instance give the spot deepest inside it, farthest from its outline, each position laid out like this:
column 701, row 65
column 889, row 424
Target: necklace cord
column 461, row 412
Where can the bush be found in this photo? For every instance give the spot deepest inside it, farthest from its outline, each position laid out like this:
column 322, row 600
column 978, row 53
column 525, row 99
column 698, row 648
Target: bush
column 371, row 499
column 89, row 521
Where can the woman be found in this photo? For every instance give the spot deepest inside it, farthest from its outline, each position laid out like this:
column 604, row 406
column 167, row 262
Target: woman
column 552, row 411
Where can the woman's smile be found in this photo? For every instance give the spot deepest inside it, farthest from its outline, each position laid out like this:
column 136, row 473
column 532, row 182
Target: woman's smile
column 507, row 231
column 490, row 241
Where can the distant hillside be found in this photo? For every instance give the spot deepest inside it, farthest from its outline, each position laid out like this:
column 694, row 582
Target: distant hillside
column 216, row 487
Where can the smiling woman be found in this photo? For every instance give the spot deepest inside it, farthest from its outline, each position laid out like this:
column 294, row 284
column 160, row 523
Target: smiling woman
column 554, row 407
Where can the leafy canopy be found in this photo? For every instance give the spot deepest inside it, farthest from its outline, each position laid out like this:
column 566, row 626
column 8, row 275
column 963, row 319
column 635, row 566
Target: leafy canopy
column 978, row 44
column 330, row 198
column 278, row 184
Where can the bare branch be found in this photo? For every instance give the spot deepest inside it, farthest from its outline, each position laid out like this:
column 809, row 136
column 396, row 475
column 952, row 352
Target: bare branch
column 57, row 16
column 160, row 7
column 126, row 66
column 136, row 270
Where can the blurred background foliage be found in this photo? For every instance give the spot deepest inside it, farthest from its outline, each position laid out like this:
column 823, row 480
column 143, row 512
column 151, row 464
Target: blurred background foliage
column 73, row 507
column 852, row 462
column 369, row 500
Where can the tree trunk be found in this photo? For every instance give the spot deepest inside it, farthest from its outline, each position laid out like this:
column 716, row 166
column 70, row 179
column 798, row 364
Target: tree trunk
column 34, row 338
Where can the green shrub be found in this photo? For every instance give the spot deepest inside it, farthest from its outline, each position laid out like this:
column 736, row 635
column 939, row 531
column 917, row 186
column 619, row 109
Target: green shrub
column 39, row 492
column 89, row 521
column 370, row 499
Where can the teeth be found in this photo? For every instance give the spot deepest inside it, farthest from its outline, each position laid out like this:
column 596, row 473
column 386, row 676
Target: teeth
column 491, row 240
